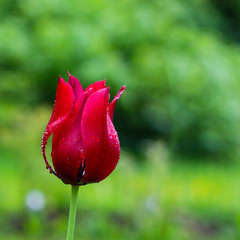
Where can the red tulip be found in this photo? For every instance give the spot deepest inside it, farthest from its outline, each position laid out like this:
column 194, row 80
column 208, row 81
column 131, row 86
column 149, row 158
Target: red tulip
column 85, row 144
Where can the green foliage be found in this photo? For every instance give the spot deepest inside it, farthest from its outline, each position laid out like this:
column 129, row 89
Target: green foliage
column 181, row 71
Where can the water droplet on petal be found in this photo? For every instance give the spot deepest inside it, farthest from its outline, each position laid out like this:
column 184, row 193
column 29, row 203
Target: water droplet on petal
column 82, row 155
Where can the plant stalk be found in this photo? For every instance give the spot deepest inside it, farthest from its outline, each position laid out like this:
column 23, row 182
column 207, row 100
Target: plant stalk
column 72, row 212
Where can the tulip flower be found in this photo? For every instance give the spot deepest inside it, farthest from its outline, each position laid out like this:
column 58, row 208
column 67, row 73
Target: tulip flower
column 85, row 144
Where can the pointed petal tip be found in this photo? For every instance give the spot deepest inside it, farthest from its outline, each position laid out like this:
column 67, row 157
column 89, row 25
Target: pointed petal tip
column 112, row 104
column 121, row 91
column 60, row 79
column 72, row 78
column 75, row 84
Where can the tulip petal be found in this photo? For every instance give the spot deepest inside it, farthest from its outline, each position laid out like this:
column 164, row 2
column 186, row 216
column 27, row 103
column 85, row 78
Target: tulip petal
column 100, row 140
column 67, row 148
column 112, row 104
column 76, row 86
column 97, row 86
column 62, row 107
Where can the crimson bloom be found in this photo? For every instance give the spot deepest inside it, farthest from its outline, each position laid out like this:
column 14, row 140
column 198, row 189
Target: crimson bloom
column 85, row 144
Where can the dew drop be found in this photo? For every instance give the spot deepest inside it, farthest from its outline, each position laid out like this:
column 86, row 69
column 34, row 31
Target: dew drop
column 82, row 155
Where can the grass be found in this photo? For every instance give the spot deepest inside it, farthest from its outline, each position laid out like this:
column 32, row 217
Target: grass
column 162, row 198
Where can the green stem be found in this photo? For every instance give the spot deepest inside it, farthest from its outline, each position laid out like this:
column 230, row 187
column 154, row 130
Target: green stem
column 72, row 213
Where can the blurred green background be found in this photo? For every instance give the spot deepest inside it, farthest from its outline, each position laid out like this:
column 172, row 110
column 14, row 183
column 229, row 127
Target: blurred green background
column 178, row 121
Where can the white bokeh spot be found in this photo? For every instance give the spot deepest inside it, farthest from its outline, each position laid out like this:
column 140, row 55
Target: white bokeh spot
column 35, row 200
